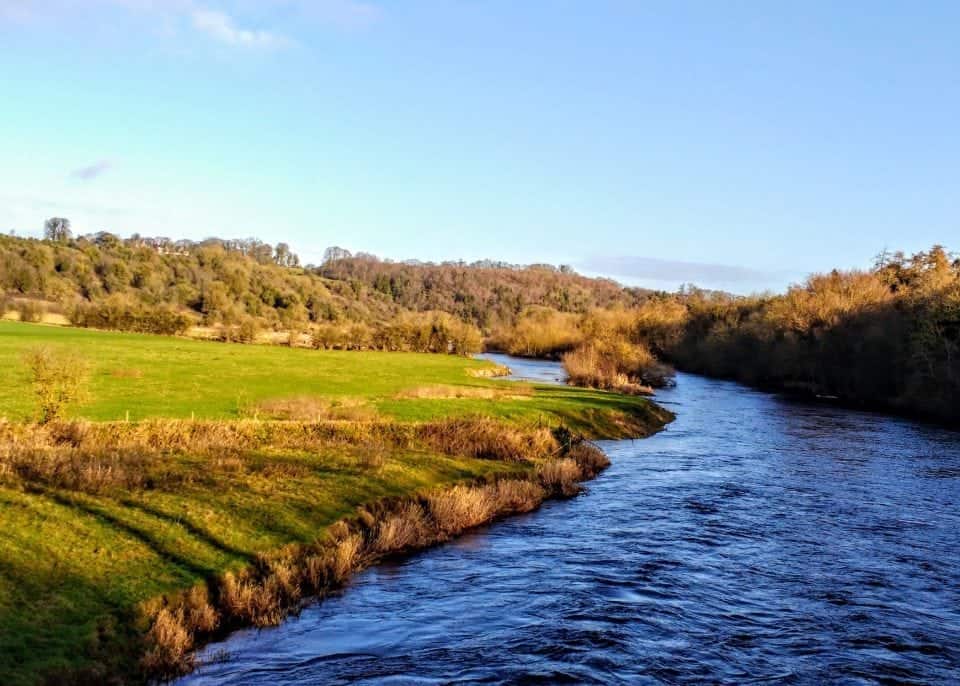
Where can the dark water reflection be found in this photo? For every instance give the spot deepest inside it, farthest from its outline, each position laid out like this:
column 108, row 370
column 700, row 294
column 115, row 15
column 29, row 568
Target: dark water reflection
column 756, row 540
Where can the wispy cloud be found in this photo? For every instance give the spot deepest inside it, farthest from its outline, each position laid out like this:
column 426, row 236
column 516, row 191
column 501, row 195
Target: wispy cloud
column 92, row 171
column 227, row 21
column 222, row 27
column 708, row 274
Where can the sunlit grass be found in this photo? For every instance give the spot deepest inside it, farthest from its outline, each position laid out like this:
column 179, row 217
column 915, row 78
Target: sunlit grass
column 138, row 376
column 76, row 564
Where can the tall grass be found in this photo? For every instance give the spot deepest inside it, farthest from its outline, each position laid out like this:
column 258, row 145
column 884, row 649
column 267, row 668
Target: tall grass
column 94, row 457
column 616, row 365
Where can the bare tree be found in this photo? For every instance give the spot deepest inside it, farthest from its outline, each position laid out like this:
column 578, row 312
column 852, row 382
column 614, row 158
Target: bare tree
column 57, row 229
column 285, row 257
column 335, row 253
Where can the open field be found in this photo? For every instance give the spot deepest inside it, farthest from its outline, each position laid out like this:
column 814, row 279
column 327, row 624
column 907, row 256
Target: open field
column 143, row 376
column 233, row 452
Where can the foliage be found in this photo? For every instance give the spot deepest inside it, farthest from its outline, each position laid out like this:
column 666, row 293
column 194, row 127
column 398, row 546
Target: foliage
column 29, row 311
column 888, row 337
column 540, row 332
column 105, row 280
column 117, row 313
column 57, row 229
column 492, row 295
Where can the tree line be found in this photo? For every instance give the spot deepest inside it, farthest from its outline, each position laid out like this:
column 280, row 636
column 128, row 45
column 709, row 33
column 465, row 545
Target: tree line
column 887, row 336
column 241, row 288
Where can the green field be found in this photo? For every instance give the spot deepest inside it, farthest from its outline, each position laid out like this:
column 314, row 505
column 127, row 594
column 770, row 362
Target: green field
column 76, row 562
column 139, row 376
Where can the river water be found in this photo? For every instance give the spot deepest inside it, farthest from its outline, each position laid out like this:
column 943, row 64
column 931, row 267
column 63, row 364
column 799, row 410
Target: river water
column 757, row 539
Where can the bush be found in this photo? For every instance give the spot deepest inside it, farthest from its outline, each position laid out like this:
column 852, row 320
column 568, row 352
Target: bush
column 31, row 311
column 616, row 365
column 58, row 378
column 541, row 332
column 429, row 332
column 119, row 315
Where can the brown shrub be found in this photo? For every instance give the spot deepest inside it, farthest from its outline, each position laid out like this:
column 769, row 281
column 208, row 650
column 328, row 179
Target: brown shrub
column 199, row 614
column 170, row 643
column 346, row 557
column 96, row 456
column 30, row 311
column 249, row 600
column 517, row 495
column 405, row 529
column 540, row 332
column 460, row 508
column 561, row 476
column 489, row 372
column 616, row 365
column 589, row 458
column 487, row 438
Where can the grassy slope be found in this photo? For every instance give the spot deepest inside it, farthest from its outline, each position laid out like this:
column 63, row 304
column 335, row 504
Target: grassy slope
column 74, row 566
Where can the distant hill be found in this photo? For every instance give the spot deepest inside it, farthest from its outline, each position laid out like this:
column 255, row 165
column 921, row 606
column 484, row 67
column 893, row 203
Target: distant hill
column 486, row 293
column 164, row 285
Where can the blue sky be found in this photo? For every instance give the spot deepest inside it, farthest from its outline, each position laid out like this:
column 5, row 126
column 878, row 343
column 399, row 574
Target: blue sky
column 739, row 145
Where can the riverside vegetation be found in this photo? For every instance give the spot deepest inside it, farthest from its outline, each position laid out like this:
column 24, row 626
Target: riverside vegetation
column 887, row 337
column 195, row 487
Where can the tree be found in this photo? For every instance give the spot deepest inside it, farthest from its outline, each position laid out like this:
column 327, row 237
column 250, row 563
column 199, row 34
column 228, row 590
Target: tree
column 335, row 253
column 285, row 257
column 57, row 229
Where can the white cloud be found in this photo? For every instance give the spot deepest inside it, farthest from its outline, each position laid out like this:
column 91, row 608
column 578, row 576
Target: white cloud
column 222, row 27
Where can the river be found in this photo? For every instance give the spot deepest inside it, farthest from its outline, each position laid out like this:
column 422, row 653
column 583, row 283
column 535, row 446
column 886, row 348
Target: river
column 757, row 539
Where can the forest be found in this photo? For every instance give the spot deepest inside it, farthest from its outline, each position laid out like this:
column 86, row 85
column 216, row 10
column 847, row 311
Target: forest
column 886, row 337
column 239, row 289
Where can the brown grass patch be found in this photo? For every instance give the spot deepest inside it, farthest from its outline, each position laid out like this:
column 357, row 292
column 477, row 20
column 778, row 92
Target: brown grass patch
column 94, row 457
column 447, row 392
column 493, row 372
column 127, row 373
column 561, row 476
column 307, row 408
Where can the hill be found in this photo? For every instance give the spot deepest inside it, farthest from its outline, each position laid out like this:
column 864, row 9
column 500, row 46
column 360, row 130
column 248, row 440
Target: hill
column 237, row 289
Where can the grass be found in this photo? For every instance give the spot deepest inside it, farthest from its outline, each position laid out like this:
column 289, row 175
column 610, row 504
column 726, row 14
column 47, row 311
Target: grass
column 140, row 376
column 74, row 566
column 100, row 517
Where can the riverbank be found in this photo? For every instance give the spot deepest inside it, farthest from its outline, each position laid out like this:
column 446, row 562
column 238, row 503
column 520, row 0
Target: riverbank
column 759, row 539
column 110, row 527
